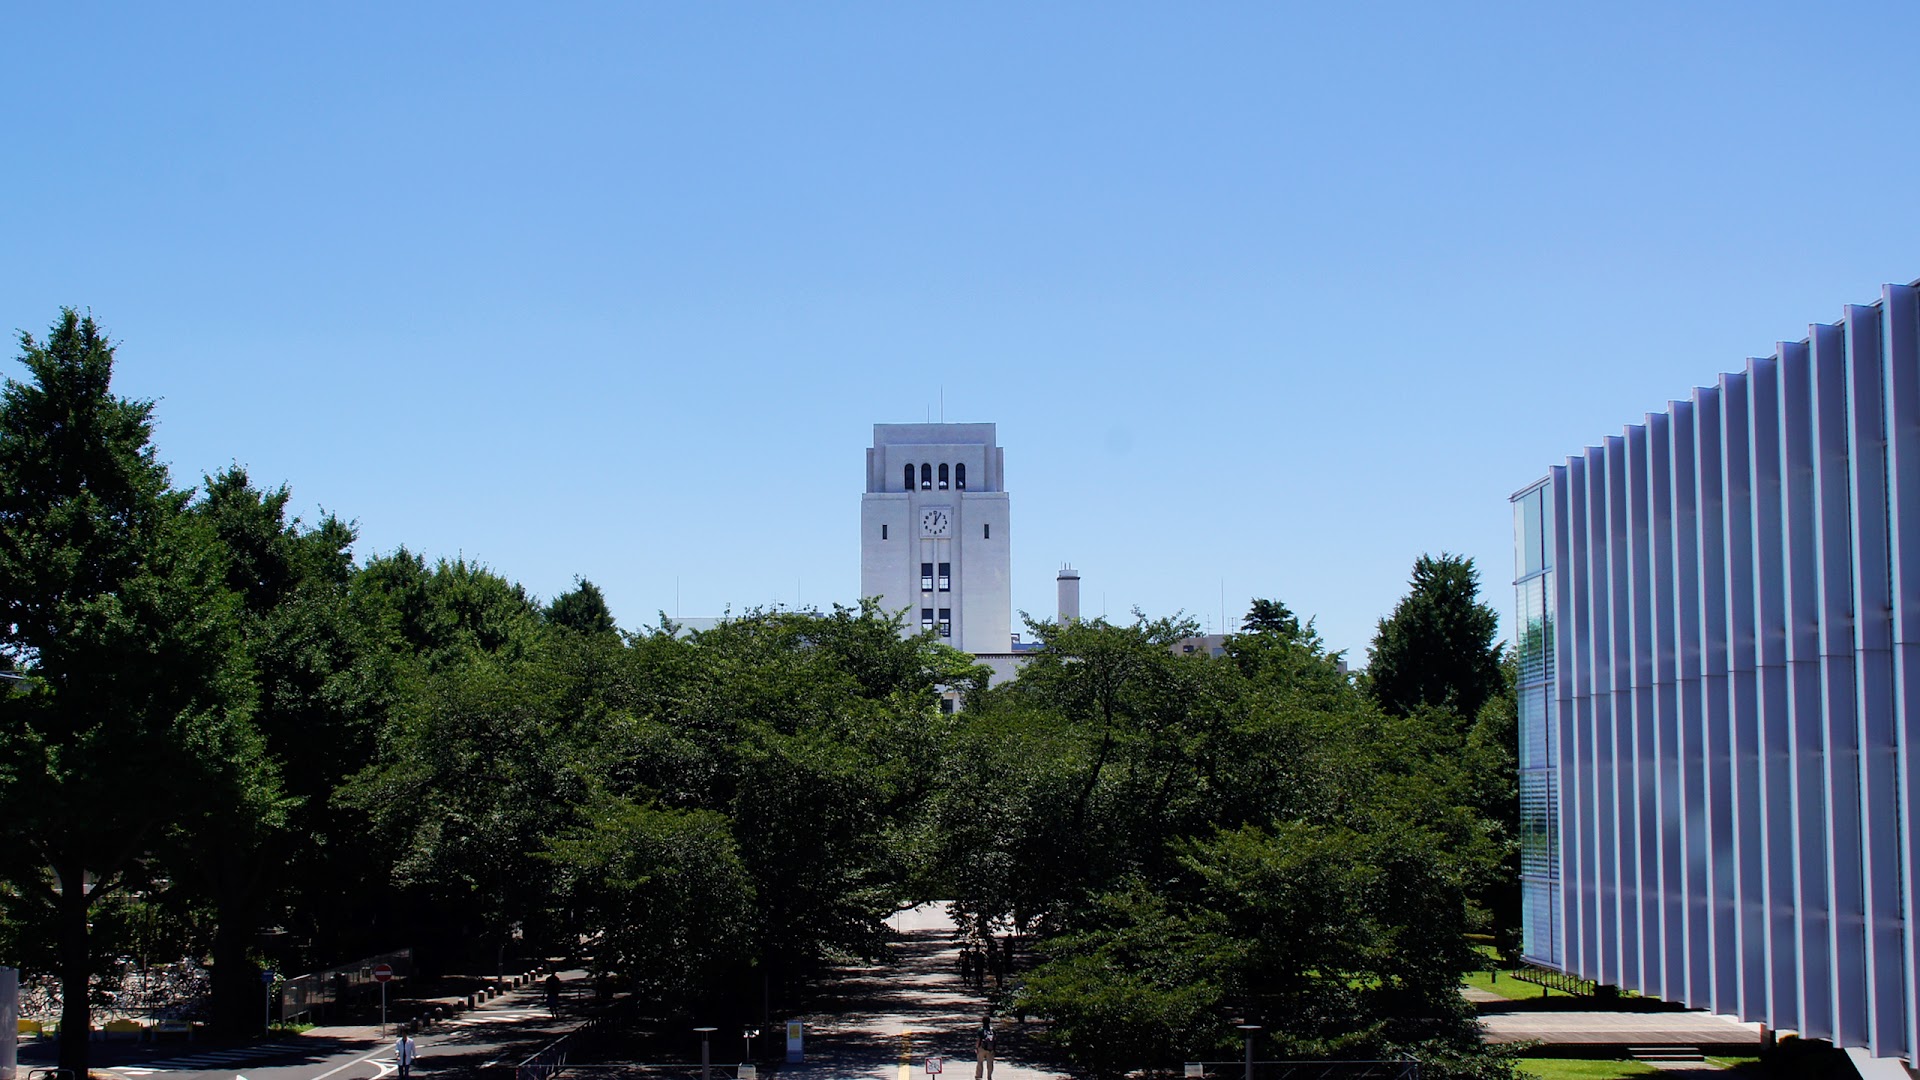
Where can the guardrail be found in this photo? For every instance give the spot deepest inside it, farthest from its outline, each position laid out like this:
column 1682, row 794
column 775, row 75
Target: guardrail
column 1399, row 1069
column 1556, row 980
column 300, row 997
column 548, row 1061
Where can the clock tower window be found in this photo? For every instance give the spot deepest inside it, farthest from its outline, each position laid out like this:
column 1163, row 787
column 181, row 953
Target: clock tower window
column 946, row 622
column 907, row 484
column 926, row 477
column 943, row 476
column 926, row 619
column 960, row 477
column 926, row 577
column 946, row 576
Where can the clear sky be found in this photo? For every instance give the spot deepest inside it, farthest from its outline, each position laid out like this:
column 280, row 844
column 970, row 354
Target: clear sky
column 1266, row 299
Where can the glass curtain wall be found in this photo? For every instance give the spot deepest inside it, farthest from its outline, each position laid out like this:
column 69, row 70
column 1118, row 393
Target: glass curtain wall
column 1542, row 941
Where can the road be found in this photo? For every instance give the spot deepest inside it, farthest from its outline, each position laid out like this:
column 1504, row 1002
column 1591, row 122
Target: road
column 489, row 1039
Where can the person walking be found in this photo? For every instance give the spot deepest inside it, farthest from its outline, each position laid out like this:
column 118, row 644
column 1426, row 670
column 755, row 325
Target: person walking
column 403, row 1055
column 553, row 992
column 983, row 1050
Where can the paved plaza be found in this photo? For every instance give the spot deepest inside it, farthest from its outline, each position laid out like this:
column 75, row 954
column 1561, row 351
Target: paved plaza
column 883, row 1022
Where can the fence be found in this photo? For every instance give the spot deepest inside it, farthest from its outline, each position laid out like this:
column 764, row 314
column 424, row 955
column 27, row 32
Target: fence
column 547, row 1062
column 301, row 997
column 1402, row 1069
column 1557, row 980
column 536, row 1069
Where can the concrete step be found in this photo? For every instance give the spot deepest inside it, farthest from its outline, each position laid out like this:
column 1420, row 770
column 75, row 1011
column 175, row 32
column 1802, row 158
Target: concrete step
column 1665, row 1053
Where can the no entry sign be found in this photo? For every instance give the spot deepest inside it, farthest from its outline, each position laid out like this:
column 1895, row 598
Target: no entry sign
column 382, row 972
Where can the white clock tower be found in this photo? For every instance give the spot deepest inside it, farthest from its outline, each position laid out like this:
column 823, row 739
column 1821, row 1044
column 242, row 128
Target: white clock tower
column 933, row 540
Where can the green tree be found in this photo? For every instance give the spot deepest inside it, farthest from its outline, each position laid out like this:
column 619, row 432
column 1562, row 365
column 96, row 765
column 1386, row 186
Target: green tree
column 582, row 608
column 1271, row 617
column 1279, row 651
column 310, row 719
column 112, row 604
column 1437, row 648
column 664, row 890
column 1144, row 985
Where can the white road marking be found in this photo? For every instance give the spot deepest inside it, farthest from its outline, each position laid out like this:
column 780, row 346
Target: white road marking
column 370, row 1059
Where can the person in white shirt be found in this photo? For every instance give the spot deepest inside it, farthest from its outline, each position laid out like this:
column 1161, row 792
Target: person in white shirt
column 403, row 1054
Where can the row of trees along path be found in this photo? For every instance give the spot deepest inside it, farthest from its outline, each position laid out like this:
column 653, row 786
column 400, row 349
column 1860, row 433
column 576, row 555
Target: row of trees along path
column 884, row 1021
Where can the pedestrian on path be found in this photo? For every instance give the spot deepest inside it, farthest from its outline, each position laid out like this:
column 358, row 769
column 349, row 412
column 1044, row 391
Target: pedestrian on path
column 553, row 992
column 403, row 1054
column 983, row 1050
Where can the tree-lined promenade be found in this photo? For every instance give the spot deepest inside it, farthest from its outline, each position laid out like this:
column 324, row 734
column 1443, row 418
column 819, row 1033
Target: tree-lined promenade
column 228, row 723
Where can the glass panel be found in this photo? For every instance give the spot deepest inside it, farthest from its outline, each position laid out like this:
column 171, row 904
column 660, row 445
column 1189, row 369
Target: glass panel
column 1520, row 537
column 1537, row 854
column 1535, row 726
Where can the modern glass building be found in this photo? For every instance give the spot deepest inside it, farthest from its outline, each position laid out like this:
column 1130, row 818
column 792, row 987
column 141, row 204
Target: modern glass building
column 1719, row 628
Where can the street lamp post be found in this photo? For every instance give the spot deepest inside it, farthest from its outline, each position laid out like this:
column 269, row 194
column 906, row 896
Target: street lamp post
column 1247, row 1030
column 706, row 1052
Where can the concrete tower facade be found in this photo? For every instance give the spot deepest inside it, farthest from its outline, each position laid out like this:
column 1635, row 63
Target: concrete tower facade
column 933, row 532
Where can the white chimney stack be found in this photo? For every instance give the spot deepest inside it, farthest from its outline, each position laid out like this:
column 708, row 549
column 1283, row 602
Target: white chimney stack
column 1069, row 594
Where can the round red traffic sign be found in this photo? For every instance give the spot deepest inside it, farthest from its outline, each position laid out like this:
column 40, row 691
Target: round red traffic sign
column 382, row 972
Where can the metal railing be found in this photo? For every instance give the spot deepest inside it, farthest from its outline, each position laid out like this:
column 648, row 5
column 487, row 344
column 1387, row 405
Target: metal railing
column 638, row 1070
column 1401, row 1069
column 301, row 996
column 1557, row 980
column 549, row 1060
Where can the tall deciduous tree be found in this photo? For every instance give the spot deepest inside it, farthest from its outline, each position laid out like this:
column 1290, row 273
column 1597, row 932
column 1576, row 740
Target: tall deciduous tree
column 309, row 724
column 112, row 604
column 1437, row 649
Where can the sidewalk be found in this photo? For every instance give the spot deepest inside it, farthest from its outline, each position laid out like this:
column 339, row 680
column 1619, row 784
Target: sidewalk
column 882, row 1022
column 527, row 1002
column 1608, row 1032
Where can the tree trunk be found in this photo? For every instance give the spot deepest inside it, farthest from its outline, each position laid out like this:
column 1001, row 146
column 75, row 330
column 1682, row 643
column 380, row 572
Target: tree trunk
column 76, row 968
column 238, row 1001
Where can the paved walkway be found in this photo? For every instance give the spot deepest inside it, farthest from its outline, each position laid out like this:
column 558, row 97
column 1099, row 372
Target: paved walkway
column 1603, row 1030
column 882, row 1022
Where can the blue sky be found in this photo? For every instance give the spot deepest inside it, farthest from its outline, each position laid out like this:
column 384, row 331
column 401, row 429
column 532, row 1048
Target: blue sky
column 1266, row 299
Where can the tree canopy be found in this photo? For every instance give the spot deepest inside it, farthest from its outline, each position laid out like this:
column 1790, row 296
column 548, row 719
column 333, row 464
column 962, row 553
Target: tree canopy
column 231, row 723
column 1437, row 649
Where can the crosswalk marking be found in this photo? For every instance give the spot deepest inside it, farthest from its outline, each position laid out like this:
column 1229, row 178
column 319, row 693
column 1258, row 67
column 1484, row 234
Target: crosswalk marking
column 475, row 1018
column 205, row 1059
column 212, row 1058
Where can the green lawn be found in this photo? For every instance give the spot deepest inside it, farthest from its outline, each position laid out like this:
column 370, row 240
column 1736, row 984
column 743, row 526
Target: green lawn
column 1506, row 986
column 1583, row 1068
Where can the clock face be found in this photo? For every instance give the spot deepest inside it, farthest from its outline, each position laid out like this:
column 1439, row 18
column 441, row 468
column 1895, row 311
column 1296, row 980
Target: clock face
column 934, row 522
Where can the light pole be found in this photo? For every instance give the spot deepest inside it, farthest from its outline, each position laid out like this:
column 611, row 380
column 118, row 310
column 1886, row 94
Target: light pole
column 706, row 1052
column 748, row 1035
column 1248, row 1030
column 266, row 983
